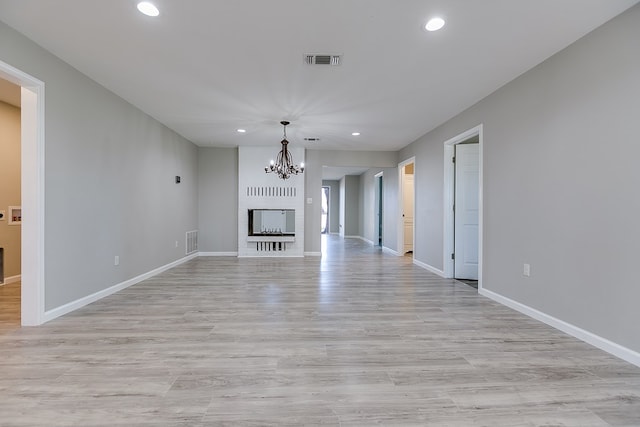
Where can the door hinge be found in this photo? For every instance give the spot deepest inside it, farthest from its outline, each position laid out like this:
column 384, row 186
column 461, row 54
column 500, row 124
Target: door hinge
column 454, row 207
column 453, row 159
column 453, row 256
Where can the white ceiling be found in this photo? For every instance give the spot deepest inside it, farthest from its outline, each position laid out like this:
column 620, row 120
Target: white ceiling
column 208, row 67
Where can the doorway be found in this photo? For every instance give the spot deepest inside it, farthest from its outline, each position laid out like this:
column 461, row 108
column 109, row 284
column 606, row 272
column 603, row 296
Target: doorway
column 324, row 218
column 32, row 193
column 379, row 206
column 463, row 206
column 10, row 205
column 406, row 233
column 465, row 212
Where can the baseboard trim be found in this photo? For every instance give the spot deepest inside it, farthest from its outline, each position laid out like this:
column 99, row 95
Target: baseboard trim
column 217, row 253
column 391, row 251
column 610, row 347
column 12, row 279
column 428, row 267
column 370, row 242
column 313, row 254
column 79, row 303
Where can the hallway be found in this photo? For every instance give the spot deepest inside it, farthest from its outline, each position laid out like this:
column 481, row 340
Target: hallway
column 355, row 338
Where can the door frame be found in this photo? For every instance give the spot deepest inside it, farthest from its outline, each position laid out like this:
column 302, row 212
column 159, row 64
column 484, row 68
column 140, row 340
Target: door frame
column 401, row 166
column 32, row 114
column 328, row 208
column 378, row 180
column 449, row 200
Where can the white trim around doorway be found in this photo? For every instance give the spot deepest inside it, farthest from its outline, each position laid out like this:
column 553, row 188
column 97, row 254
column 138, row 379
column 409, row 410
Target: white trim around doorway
column 32, row 193
column 379, row 198
column 449, row 193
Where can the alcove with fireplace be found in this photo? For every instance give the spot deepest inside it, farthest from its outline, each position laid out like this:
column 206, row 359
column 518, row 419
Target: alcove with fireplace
column 270, row 209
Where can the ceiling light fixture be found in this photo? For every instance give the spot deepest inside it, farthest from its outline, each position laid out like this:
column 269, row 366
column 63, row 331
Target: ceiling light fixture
column 434, row 24
column 355, row 133
column 148, row 8
column 283, row 166
column 241, row 130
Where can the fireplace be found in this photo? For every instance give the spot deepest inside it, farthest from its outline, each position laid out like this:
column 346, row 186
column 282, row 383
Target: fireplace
column 272, row 222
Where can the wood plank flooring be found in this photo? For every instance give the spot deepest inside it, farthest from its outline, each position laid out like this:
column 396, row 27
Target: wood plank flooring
column 9, row 307
column 357, row 338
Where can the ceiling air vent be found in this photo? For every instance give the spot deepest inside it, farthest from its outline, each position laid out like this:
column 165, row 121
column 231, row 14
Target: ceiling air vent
column 312, row 139
column 322, row 59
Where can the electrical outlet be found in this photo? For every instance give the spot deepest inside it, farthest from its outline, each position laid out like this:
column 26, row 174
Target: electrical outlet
column 526, row 270
column 116, row 260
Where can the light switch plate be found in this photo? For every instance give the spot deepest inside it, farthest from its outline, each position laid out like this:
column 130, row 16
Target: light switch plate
column 309, row 200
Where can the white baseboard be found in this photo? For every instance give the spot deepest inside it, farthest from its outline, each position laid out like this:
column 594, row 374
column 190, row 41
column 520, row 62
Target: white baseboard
column 351, row 237
column 428, row 267
column 370, row 242
column 313, row 254
column 391, row 251
column 11, row 279
column 217, row 253
column 610, row 347
column 79, row 303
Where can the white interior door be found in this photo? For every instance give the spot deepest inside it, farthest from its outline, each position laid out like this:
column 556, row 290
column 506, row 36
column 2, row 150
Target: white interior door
column 407, row 212
column 466, row 211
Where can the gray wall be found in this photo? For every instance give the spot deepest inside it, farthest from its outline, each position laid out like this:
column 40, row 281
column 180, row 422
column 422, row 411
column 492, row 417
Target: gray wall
column 560, row 184
column 218, row 199
column 367, row 204
column 334, row 204
column 109, row 181
column 391, row 204
column 313, row 211
column 368, row 208
column 352, row 213
column 343, row 202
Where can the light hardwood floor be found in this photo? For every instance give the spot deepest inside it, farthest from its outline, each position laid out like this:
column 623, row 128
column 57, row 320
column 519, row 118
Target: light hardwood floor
column 9, row 307
column 357, row 338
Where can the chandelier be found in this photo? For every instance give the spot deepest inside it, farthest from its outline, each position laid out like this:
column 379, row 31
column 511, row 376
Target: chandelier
column 283, row 166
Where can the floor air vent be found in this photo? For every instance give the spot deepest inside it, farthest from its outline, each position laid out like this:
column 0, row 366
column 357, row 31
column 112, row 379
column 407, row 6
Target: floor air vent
column 191, row 242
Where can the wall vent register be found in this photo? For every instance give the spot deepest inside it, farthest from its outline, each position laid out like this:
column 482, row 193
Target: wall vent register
column 191, row 242
column 322, row 59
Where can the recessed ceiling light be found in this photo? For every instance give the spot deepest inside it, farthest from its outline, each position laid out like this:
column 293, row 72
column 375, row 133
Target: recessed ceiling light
column 356, row 134
column 241, row 130
column 434, row 24
column 148, row 8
